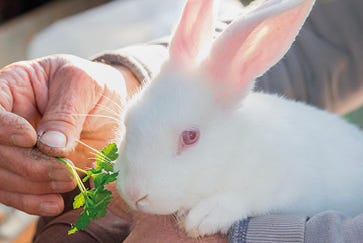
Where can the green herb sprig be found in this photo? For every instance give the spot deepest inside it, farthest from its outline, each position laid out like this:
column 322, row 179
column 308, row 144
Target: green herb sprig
column 94, row 201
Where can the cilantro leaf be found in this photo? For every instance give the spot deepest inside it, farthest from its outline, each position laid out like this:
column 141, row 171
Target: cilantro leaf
column 82, row 222
column 102, row 179
column 78, row 201
column 105, row 157
column 110, row 151
column 94, row 201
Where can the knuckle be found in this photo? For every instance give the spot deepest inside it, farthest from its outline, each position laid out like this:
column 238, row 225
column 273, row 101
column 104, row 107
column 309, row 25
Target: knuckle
column 71, row 73
column 66, row 113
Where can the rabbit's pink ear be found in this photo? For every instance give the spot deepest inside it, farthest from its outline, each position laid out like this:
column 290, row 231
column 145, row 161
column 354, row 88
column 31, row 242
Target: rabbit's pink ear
column 193, row 33
column 252, row 44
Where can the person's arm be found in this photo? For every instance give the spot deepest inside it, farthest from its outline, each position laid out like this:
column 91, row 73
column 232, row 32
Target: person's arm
column 269, row 228
column 333, row 226
column 329, row 226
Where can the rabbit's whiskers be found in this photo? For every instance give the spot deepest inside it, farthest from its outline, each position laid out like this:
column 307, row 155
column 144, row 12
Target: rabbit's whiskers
column 95, row 153
column 113, row 102
column 108, row 109
column 113, row 112
column 103, row 157
column 96, row 115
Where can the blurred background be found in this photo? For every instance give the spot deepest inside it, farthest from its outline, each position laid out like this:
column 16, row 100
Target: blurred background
column 22, row 20
column 36, row 28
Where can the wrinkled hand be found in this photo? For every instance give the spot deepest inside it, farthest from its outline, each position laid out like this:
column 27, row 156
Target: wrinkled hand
column 59, row 99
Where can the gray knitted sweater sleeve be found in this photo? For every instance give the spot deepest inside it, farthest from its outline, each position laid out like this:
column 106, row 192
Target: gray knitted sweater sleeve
column 324, row 67
column 326, row 227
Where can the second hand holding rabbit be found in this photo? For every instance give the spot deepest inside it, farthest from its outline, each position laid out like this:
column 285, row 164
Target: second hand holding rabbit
column 214, row 151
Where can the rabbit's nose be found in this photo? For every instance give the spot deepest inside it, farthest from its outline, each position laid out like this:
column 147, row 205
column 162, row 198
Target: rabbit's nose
column 140, row 202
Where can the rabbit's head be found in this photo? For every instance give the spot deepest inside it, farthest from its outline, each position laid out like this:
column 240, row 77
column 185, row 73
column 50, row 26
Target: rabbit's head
column 170, row 155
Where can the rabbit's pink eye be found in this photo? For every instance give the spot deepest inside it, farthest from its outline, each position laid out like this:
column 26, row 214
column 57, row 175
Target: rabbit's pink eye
column 190, row 137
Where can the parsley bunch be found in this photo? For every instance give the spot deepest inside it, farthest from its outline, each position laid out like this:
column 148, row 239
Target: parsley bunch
column 94, row 201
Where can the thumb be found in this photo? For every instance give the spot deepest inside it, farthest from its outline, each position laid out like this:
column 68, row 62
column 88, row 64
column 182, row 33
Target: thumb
column 69, row 99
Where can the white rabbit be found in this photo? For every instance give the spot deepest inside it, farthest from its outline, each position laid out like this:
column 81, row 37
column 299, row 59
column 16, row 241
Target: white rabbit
column 198, row 141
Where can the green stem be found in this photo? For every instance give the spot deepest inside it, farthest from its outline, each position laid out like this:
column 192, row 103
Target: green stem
column 68, row 164
column 73, row 170
column 80, row 170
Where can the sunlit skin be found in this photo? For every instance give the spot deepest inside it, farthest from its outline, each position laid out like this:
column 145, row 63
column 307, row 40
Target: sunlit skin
column 48, row 94
column 36, row 93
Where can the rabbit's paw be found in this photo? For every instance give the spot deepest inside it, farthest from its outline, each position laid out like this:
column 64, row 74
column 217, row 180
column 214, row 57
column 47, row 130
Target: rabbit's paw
column 211, row 216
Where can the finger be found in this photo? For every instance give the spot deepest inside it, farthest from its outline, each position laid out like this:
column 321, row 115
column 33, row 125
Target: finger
column 43, row 205
column 72, row 94
column 33, row 164
column 15, row 130
column 14, row 183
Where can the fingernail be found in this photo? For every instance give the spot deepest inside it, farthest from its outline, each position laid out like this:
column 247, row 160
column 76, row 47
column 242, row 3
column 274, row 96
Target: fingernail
column 49, row 208
column 53, row 139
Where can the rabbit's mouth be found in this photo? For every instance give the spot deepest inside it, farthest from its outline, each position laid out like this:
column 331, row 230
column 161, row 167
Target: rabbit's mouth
column 141, row 203
column 145, row 204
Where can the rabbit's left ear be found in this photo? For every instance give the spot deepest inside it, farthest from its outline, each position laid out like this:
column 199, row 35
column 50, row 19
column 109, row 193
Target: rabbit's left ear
column 193, row 32
column 252, row 44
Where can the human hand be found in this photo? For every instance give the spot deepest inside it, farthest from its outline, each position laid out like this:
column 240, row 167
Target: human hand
column 62, row 99
column 147, row 228
column 161, row 228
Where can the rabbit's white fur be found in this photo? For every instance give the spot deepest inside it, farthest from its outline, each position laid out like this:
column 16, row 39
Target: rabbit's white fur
column 257, row 153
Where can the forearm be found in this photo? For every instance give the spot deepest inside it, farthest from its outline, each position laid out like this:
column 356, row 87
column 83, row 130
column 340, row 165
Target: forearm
column 327, row 226
column 269, row 228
